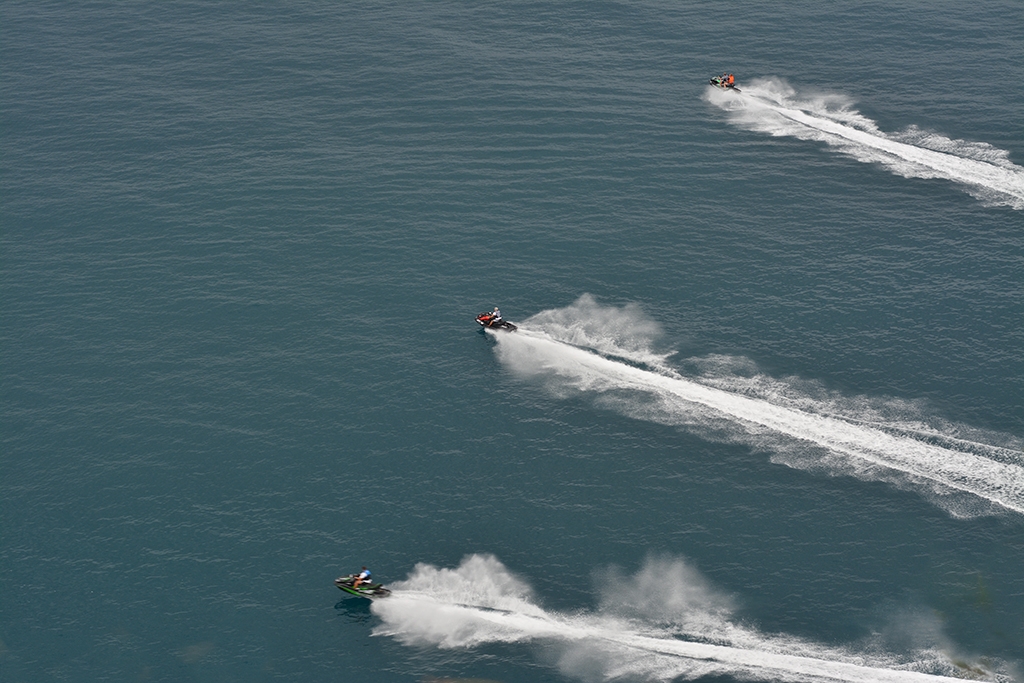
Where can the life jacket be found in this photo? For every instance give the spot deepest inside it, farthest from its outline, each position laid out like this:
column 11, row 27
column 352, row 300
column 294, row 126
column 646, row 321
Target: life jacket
column 732, row 79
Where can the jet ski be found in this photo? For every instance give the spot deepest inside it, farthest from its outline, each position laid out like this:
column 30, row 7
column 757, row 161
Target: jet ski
column 364, row 590
column 723, row 83
column 488, row 321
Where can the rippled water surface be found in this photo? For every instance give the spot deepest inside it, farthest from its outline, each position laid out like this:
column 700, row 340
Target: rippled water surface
column 761, row 420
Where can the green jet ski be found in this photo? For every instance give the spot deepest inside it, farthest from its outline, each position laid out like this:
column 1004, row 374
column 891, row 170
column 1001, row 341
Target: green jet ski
column 724, row 82
column 363, row 590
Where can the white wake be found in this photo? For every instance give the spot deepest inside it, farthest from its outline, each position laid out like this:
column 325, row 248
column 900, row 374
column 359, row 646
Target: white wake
column 597, row 351
column 662, row 624
column 772, row 106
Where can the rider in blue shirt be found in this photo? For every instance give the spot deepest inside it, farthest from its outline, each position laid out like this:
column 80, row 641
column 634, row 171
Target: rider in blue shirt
column 364, row 577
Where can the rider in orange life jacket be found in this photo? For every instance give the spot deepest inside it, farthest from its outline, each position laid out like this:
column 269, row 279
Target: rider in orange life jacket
column 731, row 80
column 364, row 577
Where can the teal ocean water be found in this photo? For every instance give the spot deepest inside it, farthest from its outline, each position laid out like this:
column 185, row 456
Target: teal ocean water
column 762, row 419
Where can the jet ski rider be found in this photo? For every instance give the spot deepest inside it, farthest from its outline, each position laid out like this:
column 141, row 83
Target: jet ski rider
column 493, row 318
column 363, row 577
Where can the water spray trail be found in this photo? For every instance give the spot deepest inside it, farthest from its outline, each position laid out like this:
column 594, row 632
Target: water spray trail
column 425, row 611
column 860, row 445
column 722, row 659
column 768, row 106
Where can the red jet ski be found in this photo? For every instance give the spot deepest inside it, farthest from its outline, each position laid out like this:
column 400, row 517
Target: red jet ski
column 489, row 321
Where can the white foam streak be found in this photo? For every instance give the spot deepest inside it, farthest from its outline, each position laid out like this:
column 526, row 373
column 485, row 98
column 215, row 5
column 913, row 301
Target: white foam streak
column 777, row 666
column 487, row 626
column 862, row 448
column 770, row 106
column 602, row 646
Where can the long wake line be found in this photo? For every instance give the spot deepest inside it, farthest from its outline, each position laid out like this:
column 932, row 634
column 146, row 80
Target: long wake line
column 997, row 482
column 509, row 625
column 970, row 171
column 770, row 106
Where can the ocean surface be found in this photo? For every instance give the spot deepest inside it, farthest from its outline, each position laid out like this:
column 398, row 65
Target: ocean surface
column 762, row 420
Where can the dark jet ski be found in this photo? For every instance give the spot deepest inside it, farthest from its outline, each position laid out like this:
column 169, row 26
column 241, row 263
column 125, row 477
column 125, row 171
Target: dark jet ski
column 724, row 82
column 490, row 322
column 364, row 590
